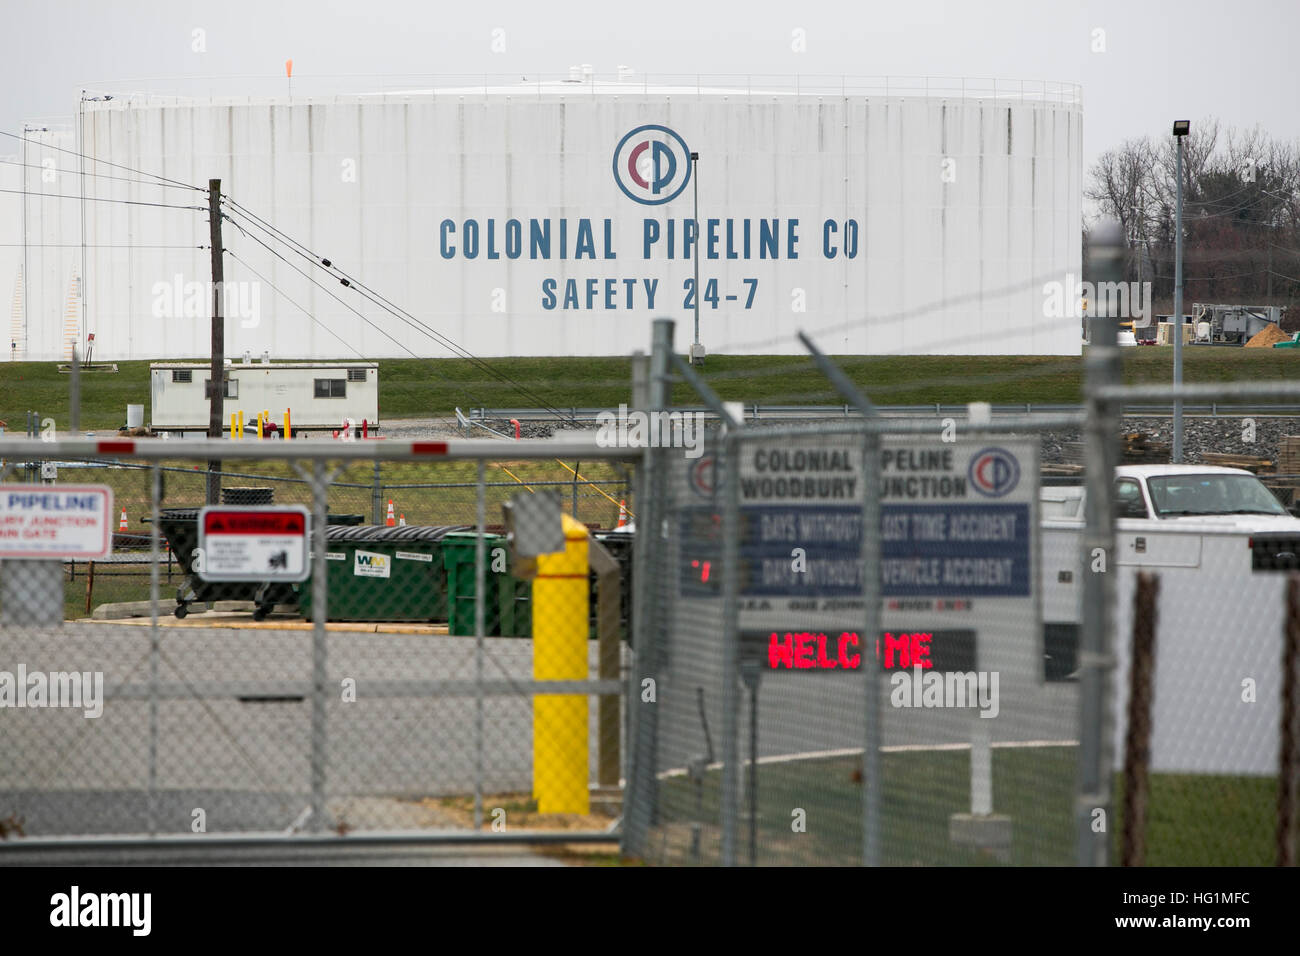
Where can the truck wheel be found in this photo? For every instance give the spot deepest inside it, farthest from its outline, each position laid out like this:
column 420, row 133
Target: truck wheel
column 259, row 614
column 181, row 610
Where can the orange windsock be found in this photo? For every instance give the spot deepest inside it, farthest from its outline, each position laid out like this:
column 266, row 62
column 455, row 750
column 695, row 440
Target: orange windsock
column 288, row 68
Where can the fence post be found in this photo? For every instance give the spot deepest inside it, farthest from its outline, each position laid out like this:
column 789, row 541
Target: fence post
column 319, row 591
column 1289, row 759
column 1102, row 368
column 377, row 513
column 480, row 586
column 731, row 531
column 155, row 494
column 643, row 717
column 872, row 791
column 730, row 646
column 1137, row 737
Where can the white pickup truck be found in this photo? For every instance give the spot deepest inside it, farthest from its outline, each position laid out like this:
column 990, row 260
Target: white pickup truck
column 1217, row 538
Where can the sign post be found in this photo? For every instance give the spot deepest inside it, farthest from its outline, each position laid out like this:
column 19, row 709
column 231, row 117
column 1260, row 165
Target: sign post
column 959, row 564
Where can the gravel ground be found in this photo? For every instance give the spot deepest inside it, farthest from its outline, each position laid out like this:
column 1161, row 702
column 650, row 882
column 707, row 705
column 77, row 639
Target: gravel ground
column 1223, row 435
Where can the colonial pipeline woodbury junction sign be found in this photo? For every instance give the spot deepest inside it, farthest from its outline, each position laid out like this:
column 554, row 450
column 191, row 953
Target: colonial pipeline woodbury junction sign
column 958, row 552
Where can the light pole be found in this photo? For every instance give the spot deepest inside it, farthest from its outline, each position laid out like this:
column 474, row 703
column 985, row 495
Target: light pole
column 697, row 350
column 1181, row 128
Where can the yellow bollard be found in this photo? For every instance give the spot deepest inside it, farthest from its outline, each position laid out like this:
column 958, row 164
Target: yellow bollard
column 287, row 432
column 233, row 433
column 259, row 426
column 241, row 424
column 560, row 629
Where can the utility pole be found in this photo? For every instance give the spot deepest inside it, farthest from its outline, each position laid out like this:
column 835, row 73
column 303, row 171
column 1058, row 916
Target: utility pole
column 1181, row 128
column 217, row 376
column 697, row 350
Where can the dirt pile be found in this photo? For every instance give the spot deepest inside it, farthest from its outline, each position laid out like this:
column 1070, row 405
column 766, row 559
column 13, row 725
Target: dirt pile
column 1265, row 337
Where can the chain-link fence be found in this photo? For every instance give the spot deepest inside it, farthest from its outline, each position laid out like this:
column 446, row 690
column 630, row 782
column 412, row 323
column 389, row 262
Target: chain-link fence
column 976, row 731
column 346, row 640
column 1203, row 728
column 995, row 715
column 376, row 494
column 881, row 640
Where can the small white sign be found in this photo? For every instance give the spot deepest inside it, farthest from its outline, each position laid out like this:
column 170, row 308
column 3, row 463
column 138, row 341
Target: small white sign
column 45, row 521
column 254, row 544
column 412, row 556
column 368, row 564
column 335, row 556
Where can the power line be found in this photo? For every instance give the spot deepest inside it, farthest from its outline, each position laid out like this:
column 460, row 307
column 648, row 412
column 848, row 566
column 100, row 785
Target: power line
column 78, row 172
column 90, row 245
column 328, row 292
column 896, row 317
column 394, row 310
column 285, row 295
column 95, row 159
column 127, row 202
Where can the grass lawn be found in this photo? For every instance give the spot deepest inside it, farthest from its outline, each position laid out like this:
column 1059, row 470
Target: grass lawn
column 421, row 388
column 1192, row 820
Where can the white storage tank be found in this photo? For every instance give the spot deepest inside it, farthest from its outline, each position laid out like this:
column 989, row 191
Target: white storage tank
column 555, row 218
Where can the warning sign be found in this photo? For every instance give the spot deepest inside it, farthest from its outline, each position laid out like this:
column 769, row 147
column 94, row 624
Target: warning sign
column 49, row 521
column 254, row 544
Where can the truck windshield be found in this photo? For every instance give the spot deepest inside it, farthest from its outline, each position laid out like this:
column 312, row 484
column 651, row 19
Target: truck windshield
column 1175, row 495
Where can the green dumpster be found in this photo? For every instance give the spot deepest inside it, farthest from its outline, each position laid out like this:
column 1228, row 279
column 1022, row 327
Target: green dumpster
column 380, row 573
column 508, row 610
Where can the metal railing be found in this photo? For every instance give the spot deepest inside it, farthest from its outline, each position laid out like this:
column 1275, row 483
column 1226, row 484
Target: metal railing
column 756, row 412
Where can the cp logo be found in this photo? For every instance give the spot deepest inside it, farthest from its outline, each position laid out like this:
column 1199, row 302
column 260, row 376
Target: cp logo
column 705, row 476
column 652, row 165
column 994, row 472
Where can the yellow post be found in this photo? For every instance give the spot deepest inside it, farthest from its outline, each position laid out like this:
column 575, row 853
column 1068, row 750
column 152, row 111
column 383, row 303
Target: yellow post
column 233, row 434
column 560, row 627
column 287, row 432
column 241, row 424
column 259, row 426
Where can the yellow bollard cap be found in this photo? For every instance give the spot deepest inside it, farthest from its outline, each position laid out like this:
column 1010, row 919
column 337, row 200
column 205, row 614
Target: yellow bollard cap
column 574, row 530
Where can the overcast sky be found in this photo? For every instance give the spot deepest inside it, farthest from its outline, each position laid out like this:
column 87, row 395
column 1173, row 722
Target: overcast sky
column 1162, row 59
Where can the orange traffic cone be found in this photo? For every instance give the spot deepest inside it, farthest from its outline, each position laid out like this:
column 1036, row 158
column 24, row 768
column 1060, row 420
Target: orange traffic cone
column 122, row 525
column 401, row 522
column 392, row 519
column 622, row 513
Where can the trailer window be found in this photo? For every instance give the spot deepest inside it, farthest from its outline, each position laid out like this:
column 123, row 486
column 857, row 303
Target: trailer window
column 356, row 375
column 231, row 390
column 182, row 375
column 1181, row 495
column 331, row 388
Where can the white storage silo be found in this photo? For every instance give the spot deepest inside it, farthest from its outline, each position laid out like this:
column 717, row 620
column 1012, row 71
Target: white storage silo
column 552, row 219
